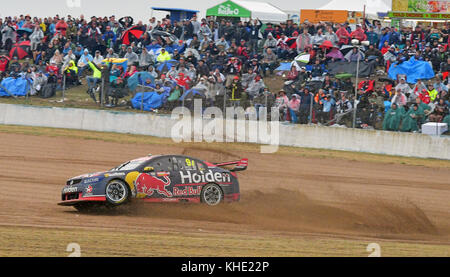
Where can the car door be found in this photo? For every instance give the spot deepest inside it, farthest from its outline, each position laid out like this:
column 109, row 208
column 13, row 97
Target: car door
column 188, row 175
column 155, row 180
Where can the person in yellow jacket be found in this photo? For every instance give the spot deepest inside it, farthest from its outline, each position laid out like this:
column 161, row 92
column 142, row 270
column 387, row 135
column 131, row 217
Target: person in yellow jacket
column 432, row 92
column 92, row 80
column 71, row 72
column 163, row 56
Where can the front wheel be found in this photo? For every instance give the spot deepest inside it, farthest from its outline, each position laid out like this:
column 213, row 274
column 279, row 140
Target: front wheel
column 211, row 194
column 117, row 192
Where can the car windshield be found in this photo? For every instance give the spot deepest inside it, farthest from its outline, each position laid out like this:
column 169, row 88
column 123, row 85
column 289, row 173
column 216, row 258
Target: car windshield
column 130, row 165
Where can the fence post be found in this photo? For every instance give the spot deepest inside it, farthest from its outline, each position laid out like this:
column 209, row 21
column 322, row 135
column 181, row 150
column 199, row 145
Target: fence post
column 224, row 100
column 102, row 92
column 355, row 101
column 310, row 107
column 64, row 87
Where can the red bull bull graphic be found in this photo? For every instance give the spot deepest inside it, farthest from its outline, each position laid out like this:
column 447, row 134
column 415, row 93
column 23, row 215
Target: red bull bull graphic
column 147, row 184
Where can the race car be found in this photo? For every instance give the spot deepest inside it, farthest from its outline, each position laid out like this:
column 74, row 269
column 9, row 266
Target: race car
column 156, row 178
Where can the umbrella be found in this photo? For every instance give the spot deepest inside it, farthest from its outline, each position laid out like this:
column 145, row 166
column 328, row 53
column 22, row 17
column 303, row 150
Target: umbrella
column 284, row 67
column 118, row 61
column 131, row 34
column 163, row 35
column 124, row 19
column 303, row 58
column 22, row 31
column 326, row 44
column 194, row 52
column 191, row 94
column 386, row 80
column 21, row 50
column 335, row 54
column 347, row 48
column 166, row 66
column 292, row 43
column 343, row 75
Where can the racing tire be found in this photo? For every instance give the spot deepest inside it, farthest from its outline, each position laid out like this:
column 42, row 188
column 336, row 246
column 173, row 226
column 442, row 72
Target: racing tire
column 117, row 193
column 211, row 194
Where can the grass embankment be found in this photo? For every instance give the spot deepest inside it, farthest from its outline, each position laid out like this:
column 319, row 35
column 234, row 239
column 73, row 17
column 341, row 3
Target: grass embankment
column 34, row 241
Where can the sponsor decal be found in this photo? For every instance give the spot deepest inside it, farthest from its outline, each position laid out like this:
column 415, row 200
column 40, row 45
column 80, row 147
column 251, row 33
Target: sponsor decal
column 187, row 191
column 162, row 173
column 89, row 189
column 70, row 189
column 91, row 180
column 114, row 174
column 227, row 10
column 204, row 177
column 147, row 184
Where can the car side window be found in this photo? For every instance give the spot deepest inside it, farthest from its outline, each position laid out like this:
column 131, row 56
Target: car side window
column 162, row 164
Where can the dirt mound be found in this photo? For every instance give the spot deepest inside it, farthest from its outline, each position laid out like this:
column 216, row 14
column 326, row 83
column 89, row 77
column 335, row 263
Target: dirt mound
column 284, row 210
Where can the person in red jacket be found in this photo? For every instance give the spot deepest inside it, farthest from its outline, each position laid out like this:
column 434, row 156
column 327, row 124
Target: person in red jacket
column 4, row 61
column 366, row 85
column 424, row 96
column 61, row 27
column 183, row 80
column 342, row 35
column 358, row 33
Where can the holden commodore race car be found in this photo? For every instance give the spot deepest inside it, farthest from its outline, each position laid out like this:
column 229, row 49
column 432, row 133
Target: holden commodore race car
column 156, row 178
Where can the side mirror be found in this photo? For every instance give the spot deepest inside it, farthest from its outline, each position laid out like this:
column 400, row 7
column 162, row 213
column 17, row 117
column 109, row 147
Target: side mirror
column 148, row 169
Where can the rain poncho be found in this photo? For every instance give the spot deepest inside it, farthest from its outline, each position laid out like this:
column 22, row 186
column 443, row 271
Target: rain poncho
column 409, row 123
column 174, row 95
column 393, row 118
column 447, row 120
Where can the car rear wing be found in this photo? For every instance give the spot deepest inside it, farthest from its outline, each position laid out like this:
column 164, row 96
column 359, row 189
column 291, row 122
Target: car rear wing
column 239, row 165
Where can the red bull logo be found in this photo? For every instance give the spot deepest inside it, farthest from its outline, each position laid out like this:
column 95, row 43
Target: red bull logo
column 147, row 184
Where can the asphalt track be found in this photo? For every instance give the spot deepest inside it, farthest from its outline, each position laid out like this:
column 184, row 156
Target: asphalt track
column 281, row 195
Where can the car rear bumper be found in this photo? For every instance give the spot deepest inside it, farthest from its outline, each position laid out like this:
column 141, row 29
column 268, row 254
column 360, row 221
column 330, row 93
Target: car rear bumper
column 233, row 197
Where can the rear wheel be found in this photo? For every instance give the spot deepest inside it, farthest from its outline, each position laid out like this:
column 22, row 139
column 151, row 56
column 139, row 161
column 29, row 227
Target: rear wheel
column 117, row 192
column 211, row 194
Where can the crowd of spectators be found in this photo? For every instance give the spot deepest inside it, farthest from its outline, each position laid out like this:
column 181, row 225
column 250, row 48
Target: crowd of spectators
column 230, row 61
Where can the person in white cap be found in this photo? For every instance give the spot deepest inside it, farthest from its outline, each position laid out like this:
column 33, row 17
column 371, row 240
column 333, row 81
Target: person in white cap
column 403, row 87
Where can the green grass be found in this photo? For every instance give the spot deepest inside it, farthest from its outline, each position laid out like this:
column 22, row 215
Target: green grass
column 53, row 242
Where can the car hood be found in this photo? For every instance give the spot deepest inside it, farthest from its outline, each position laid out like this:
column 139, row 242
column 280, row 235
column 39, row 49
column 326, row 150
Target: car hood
column 89, row 175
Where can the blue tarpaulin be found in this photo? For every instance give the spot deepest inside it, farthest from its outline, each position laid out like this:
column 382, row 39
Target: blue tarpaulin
column 190, row 94
column 152, row 100
column 139, row 78
column 166, row 66
column 414, row 70
column 17, row 87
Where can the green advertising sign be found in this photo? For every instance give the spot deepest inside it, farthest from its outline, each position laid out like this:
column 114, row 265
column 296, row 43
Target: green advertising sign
column 228, row 8
column 426, row 16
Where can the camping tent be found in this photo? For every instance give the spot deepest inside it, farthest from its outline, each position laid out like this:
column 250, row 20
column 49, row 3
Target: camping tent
column 372, row 6
column 177, row 14
column 246, row 9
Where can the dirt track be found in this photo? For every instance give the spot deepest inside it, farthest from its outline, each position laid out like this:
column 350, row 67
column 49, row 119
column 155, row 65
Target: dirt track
column 281, row 195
